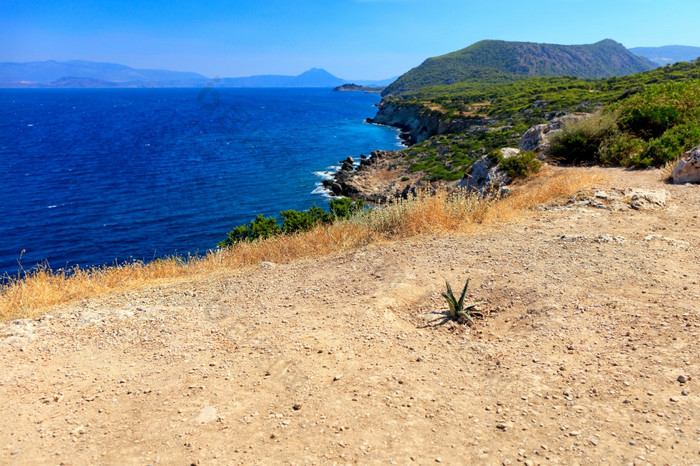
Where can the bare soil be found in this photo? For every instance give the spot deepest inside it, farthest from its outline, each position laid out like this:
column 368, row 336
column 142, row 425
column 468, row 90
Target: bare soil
column 592, row 315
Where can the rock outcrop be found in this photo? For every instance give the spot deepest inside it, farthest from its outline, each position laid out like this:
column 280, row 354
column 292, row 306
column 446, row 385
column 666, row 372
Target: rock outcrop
column 688, row 169
column 376, row 179
column 486, row 177
column 537, row 138
column 418, row 123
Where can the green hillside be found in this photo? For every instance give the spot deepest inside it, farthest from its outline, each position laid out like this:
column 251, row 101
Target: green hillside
column 499, row 61
column 647, row 118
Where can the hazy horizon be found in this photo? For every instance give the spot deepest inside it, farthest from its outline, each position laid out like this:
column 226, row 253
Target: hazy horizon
column 351, row 39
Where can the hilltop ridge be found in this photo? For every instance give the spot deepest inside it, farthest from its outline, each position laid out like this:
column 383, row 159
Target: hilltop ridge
column 497, row 61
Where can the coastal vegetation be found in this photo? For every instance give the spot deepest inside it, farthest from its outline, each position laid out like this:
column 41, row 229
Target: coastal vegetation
column 31, row 294
column 640, row 120
column 294, row 221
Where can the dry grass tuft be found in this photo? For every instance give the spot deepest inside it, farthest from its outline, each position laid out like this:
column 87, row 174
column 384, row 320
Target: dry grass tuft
column 667, row 170
column 436, row 213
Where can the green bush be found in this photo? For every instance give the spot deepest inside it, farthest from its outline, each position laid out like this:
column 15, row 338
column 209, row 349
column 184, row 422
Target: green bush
column 649, row 122
column 261, row 227
column 670, row 146
column 521, row 166
column 580, row 141
column 621, row 150
column 294, row 221
column 344, row 208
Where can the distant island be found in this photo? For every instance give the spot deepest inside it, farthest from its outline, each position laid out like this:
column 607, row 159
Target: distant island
column 352, row 87
column 668, row 54
column 87, row 74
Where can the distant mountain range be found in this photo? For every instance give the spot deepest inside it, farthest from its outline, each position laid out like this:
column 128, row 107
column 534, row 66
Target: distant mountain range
column 315, row 77
column 493, row 59
column 75, row 73
column 668, row 54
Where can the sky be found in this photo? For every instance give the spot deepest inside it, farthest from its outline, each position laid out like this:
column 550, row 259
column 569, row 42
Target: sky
column 352, row 39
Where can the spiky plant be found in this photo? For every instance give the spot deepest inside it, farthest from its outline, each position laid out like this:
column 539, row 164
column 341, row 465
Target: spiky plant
column 457, row 307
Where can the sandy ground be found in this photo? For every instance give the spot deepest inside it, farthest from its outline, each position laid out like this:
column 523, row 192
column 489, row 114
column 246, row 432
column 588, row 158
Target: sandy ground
column 592, row 317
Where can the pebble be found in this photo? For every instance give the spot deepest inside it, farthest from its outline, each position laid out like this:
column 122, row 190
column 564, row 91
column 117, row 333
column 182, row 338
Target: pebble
column 337, row 377
column 574, row 433
column 207, row 414
column 594, row 441
column 675, row 399
column 682, row 378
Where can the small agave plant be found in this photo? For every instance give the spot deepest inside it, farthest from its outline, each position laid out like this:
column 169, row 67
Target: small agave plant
column 458, row 310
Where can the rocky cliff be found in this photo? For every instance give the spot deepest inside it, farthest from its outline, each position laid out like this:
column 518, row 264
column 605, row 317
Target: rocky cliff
column 418, row 123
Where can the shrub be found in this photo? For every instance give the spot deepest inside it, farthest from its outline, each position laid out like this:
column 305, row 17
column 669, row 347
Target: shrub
column 670, row 146
column 520, row 166
column 621, row 150
column 344, row 208
column 295, row 221
column 649, row 122
column 580, row 141
column 261, row 227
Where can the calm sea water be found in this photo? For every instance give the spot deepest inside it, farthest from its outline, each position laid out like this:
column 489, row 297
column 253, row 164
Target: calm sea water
column 94, row 176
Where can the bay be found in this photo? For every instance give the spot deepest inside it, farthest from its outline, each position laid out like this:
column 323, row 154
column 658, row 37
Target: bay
column 103, row 176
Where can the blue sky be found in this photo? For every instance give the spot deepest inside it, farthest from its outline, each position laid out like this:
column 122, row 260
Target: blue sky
column 355, row 39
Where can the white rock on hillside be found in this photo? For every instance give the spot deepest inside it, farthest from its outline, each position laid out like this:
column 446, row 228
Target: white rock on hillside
column 485, row 175
column 536, row 139
column 688, row 169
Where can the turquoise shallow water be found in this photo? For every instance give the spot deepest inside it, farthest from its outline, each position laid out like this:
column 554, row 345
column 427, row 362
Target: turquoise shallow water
column 94, row 176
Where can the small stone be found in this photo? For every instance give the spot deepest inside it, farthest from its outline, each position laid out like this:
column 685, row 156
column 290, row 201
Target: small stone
column 502, row 426
column 529, row 463
column 296, row 407
column 675, row 399
column 207, row 414
column 337, row 377
column 574, row 433
column 633, row 442
column 682, row 378
column 594, row 441
column 16, row 451
column 685, row 393
column 506, row 462
column 438, row 460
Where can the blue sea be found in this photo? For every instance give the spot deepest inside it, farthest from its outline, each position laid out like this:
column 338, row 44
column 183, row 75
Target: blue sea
column 104, row 176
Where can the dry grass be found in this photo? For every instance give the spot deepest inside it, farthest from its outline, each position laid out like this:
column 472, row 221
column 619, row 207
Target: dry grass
column 667, row 170
column 436, row 213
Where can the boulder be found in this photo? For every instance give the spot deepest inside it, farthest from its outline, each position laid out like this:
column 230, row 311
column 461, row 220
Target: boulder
column 537, row 138
column 485, row 176
column 688, row 169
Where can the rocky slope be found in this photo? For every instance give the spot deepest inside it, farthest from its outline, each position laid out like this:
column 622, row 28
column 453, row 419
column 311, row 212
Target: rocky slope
column 419, row 123
column 588, row 354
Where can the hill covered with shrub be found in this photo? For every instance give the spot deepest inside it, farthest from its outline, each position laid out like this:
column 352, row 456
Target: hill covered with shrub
column 496, row 61
column 644, row 119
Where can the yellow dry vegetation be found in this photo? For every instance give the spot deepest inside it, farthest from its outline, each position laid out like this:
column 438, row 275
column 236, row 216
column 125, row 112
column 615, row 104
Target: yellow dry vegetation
column 428, row 213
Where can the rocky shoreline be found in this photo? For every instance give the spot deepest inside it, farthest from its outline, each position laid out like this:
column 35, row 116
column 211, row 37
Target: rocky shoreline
column 386, row 175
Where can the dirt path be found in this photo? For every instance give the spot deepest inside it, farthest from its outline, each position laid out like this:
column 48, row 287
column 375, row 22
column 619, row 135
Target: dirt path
column 593, row 316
